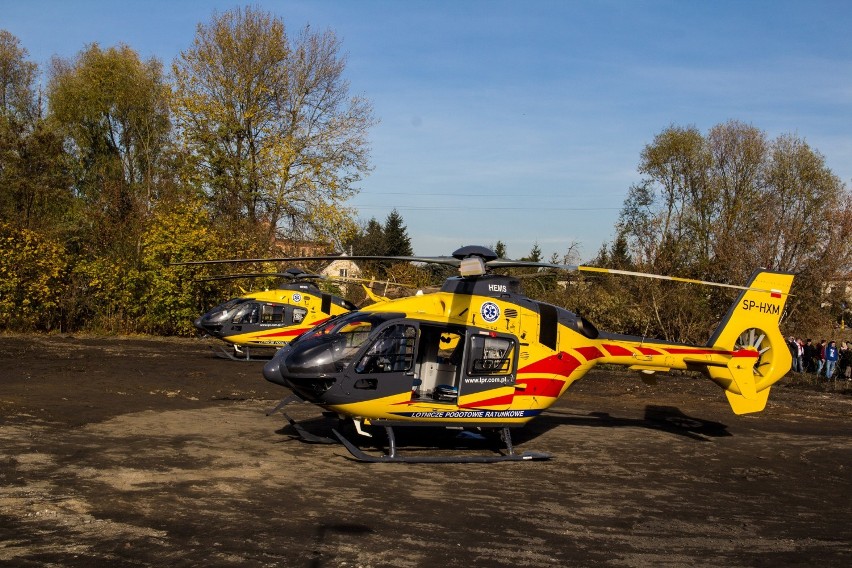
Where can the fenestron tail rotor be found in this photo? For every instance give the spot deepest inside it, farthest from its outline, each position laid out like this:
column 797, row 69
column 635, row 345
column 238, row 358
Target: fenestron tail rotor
column 756, row 340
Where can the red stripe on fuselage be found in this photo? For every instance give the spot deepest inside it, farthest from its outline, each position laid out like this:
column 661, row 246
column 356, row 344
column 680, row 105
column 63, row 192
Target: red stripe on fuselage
column 562, row 364
column 648, row 351
column 285, row 333
column 745, row 353
column 291, row 331
column 496, row 401
column 590, row 352
column 691, row 351
column 540, row 387
column 617, row 350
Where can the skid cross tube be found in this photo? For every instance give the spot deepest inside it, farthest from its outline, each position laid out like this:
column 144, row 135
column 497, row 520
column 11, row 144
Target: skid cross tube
column 393, row 457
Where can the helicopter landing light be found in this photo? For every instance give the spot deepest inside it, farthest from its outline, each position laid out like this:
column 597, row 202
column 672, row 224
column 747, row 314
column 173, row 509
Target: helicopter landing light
column 472, row 266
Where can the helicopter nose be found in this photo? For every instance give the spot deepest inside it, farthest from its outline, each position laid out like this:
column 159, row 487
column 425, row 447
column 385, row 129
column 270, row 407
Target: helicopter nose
column 272, row 372
column 197, row 324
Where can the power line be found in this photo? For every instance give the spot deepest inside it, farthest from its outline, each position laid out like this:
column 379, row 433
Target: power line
column 480, row 208
column 454, row 194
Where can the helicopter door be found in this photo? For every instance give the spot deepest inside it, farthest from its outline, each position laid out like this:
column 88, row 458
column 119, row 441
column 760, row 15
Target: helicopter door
column 387, row 366
column 490, row 363
column 439, row 359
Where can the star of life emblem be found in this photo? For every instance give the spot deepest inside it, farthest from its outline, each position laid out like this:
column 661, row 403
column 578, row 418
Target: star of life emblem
column 297, row 297
column 490, row 312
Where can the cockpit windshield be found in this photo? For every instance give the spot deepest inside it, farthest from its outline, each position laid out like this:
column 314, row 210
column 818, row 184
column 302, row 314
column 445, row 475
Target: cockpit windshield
column 355, row 326
column 223, row 312
column 331, row 346
column 247, row 313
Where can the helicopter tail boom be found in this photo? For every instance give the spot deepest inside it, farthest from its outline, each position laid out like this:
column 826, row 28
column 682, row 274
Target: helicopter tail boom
column 750, row 330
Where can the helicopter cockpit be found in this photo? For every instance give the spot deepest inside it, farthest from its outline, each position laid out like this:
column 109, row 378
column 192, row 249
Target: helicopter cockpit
column 330, row 347
column 235, row 313
column 364, row 355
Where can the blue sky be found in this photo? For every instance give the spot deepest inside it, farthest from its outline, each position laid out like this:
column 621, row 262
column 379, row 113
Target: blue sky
column 524, row 121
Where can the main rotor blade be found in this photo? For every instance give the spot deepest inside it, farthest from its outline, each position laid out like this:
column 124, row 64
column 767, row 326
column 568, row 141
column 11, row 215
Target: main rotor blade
column 448, row 260
column 672, row 278
column 304, row 276
column 372, row 280
column 505, row 263
column 493, row 263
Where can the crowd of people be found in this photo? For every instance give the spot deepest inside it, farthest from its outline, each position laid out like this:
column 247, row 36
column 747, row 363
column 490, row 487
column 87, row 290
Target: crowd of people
column 825, row 359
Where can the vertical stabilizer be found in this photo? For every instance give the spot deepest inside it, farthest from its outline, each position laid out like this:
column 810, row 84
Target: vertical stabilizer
column 750, row 330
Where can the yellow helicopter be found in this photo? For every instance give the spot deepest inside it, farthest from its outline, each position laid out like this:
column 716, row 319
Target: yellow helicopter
column 479, row 354
column 269, row 319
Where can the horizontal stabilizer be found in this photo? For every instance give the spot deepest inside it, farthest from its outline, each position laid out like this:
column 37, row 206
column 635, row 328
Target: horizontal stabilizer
column 742, row 405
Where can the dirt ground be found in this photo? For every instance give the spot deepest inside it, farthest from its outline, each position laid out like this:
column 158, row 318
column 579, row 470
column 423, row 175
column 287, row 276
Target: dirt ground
column 145, row 452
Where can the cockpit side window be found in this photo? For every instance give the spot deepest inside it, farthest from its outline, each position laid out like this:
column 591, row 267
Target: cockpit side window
column 299, row 314
column 272, row 313
column 392, row 351
column 247, row 313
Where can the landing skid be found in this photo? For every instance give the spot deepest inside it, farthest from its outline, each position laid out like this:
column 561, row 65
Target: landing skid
column 300, row 430
column 235, row 354
column 393, row 457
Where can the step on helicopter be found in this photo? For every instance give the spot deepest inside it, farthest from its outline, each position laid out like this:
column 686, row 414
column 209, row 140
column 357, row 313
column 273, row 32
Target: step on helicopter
column 481, row 356
column 269, row 319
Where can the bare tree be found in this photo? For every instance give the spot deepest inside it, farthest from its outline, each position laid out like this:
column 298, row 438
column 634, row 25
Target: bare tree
column 719, row 206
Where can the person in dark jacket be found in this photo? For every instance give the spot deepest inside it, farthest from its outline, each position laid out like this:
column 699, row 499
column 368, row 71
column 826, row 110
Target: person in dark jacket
column 820, row 357
column 845, row 361
column 810, row 364
column 793, row 346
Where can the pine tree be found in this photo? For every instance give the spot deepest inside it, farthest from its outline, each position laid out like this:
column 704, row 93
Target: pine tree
column 370, row 241
column 535, row 254
column 500, row 249
column 397, row 241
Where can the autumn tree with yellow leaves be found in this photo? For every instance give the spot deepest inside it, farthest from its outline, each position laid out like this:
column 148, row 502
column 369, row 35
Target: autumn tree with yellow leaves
column 275, row 139
column 254, row 139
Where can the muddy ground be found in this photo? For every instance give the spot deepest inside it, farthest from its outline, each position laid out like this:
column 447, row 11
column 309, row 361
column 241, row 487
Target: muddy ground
column 135, row 452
